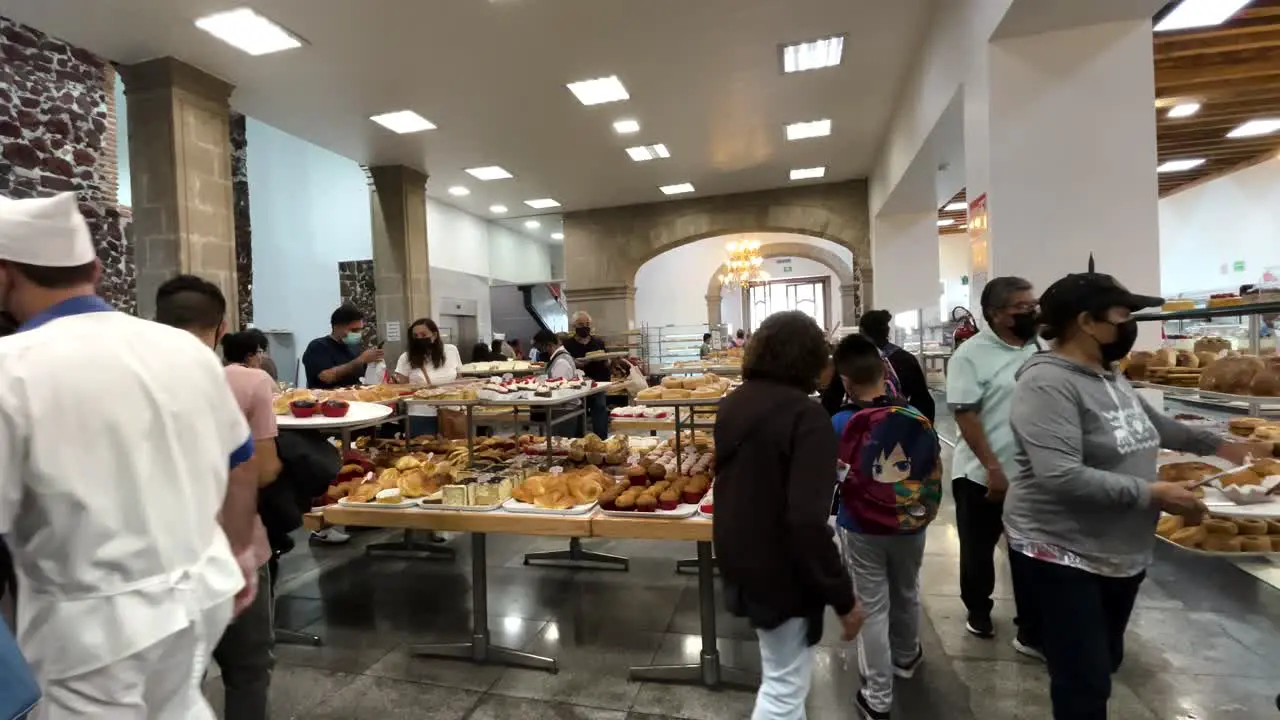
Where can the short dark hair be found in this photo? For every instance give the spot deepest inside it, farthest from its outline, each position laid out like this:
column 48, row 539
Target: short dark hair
column 57, row 278
column 190, row 303
column 789, row 348
column 260, row 336
column 237, row 347
column 545, row 337
column 998, row 293
column 706, row 337
column 875, row 325
column 858, row 359
column 345, row 315
column 496, row 345
column 741, row 333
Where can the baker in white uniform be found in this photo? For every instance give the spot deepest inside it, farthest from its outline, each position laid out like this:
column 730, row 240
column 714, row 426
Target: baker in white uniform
column 121, row 446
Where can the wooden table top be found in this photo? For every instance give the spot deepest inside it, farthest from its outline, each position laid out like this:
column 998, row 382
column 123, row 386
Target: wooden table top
column 695, row 529
column 497, row 521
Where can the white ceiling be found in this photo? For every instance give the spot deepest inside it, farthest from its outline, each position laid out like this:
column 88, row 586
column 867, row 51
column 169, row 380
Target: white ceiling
column 703, row 75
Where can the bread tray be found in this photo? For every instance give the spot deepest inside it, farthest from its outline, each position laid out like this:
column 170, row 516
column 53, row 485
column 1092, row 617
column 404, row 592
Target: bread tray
column 515, row 506
column 682, row 511
column 704, row 514
column 1211, row 553
column 377, row 505
column 435, row 506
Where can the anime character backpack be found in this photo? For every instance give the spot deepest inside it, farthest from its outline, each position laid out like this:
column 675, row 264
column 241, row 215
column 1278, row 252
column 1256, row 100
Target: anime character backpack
column 894, row 483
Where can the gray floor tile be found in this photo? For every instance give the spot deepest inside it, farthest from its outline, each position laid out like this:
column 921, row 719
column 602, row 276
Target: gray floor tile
column 400, row 664
column 293, row 690
column 693, row 702
column 947, row 615
column 344, row 649
column 1200, row 697
column 497, row 707
column 1191, row 643
column 371, row 698
column 1016, row 691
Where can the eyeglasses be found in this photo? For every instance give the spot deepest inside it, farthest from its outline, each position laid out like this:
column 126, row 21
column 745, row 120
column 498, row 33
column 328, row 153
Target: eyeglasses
column 1025, row 307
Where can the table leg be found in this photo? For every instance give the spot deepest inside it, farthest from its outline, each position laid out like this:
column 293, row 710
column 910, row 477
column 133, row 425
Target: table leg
column 471, row 434
column 577, row 558
column 677, row 409
column 478, row 649
column 411, row 548
column 285, row 636
column 708, row 671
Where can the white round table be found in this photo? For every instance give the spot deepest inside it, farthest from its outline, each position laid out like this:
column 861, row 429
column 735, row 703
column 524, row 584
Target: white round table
column 360, row 413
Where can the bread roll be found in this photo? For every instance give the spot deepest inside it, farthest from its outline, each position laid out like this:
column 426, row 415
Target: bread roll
column 653, row 393
column 1163, row 357
column 672, row 382
column 1206, row 358
column 1255, row 543
column 1273, row 526
column 1231, row 375
column 1186, row 471
column 1136, row 367
column 672, row 394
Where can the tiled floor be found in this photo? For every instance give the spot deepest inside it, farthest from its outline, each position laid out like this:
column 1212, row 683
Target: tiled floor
column 1204, row 643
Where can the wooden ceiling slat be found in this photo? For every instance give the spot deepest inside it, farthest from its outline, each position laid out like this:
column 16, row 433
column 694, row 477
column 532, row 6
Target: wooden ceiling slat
column 1266, row 35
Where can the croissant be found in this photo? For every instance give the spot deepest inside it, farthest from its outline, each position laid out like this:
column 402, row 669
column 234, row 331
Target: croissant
column 408, row 462
column 413, row 484
column 365, row 493
column 388, row 479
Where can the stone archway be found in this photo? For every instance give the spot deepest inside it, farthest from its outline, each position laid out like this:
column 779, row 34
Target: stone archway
column 848, row 311
column 603, row 249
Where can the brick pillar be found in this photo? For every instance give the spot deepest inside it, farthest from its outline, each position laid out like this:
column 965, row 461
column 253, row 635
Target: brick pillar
column 180, row 163
column 398, row 197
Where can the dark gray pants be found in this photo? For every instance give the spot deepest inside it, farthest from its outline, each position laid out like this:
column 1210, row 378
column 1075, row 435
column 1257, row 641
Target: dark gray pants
column 245, row 655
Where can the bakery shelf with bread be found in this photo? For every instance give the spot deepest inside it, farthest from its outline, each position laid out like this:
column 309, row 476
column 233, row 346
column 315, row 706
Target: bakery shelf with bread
column 677, row 391
column 1215, row 307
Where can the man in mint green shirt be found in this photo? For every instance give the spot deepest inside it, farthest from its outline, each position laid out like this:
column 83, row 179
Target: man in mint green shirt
column 980, row 380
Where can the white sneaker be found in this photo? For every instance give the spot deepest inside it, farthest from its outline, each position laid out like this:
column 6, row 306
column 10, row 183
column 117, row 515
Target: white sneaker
column 1027, row 650
column 330, row 536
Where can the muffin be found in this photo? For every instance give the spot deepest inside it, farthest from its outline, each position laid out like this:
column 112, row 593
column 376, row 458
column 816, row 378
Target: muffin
column 625, row 502
column 1273, row 526
column 637, row 475
column 692, row 494
column 657, row 472
column 646, row 503
column 661, row 486
column 609, row 497
column 669, row 500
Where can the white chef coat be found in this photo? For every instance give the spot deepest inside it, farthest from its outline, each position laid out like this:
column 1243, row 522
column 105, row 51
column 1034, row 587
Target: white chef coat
column 115, row 434
column 446, row 373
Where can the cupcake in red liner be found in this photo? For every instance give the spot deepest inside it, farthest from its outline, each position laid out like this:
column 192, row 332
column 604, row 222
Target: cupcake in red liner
column 609, row 498
column 646, row 503
column 692, row 494
column 668, row 500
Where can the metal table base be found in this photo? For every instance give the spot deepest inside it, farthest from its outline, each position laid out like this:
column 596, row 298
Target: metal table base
column 690, row 566
column 577, row 558
column 479, row 649
column 411, row 548
column 707, row 671
column 284, row 636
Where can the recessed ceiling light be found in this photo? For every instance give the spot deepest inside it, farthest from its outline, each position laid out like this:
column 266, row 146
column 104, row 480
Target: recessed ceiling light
column 542, row 203
column 626, row 127
column 557, row 236
column 599, row 91
column 1200, row 13
column 1180, row 165
column 677, row 189
column 403, row 121
column 459, row 191
column 641, row 153
column 532, row 224
column 498, row 209
column 956, row 207
column 944, row 223
column 812, row 55
column 1254, row 128
column 808, row 173
column 1184, row 110
column 246, row 30
column 491, row 172
column 812, row 129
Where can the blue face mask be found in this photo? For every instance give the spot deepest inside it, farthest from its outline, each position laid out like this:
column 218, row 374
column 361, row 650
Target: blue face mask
column 353, row 338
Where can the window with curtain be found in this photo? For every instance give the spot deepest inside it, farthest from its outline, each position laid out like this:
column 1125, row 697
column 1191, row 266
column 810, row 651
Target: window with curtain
column 808, row 295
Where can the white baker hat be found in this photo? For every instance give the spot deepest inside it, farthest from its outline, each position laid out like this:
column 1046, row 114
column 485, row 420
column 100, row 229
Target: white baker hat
column 46, row 232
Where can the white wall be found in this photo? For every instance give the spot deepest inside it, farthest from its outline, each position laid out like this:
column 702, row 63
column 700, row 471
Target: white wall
column 514, row 257
column 671, row 289
column 1204, row 231
column 953, row 265
column 310, row 210
column 457, row 240
column 124, row 191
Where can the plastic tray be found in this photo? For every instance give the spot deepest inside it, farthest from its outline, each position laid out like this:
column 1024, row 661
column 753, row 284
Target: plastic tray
column 377, row 505
column 1211, row 553
column 425, row 505
column 682, row 511
column 515, row 506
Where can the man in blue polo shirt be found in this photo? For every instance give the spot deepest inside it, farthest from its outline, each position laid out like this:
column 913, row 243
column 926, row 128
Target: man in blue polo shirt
column 339, row 358
column 980, row 380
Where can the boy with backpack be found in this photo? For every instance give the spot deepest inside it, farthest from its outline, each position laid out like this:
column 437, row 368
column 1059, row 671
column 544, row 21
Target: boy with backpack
column 889, row 495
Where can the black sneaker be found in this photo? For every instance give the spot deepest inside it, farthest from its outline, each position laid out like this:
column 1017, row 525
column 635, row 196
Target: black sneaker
column 908, row 671
column 980, row 626
column 865, row 709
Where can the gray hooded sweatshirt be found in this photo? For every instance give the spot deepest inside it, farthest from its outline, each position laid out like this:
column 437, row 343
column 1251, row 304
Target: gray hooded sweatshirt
column 1087, row 446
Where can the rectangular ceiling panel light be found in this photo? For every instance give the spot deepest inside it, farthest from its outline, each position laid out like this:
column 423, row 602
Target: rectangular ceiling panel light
column 1184, row 110
column 557, row 236
column 599, row 91
column 808, row 173
column 492, row 172
column 678, row 189
column 1180, row 165
column 542, row 203
column 248, row 31
column 626, row 127
column 403, row 121
column 956, row 207
column 813, row 55
column 1254, row 128
column 641, row 153
column 812, row 129
column 532, row 224
column 1200, row 13
column 498, row 209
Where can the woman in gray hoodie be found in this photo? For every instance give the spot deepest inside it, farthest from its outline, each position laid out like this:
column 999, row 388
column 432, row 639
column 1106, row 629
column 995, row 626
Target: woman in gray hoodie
column 1081, row 512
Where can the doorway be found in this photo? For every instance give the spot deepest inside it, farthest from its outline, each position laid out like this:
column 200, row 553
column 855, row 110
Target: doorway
column 808, row 295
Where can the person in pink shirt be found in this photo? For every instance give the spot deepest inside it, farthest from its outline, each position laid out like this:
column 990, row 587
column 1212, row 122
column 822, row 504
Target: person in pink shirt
column 245, row 653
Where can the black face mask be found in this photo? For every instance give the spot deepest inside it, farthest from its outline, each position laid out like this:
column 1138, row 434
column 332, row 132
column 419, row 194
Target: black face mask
column 418, row 343
column 1126, row 336
column 582, row 332
column 1025, row 326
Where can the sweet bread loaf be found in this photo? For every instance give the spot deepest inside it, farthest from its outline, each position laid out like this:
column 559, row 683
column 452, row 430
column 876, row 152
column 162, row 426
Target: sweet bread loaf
column 1232, row 375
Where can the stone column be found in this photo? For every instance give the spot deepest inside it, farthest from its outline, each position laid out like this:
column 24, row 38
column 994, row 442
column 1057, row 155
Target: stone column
column 398, row 195
column 612, row 309
column 714, row 315
column 180, row 165
column 850, row 305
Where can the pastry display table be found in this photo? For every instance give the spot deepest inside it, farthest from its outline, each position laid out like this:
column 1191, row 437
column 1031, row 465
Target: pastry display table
column 708, row 671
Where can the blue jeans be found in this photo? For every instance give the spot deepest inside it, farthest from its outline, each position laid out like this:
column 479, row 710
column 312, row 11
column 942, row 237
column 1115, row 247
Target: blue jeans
column 786, row 670
column 598, row 409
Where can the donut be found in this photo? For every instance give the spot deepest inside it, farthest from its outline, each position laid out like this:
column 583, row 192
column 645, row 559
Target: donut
column 1215, row 526
column 1170, row 524
column 1255, row 543
column 1251, row 526
column 1189, row 536
column 1221, row 543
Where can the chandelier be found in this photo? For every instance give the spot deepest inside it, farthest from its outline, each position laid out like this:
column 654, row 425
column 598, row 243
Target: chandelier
column 743, row 268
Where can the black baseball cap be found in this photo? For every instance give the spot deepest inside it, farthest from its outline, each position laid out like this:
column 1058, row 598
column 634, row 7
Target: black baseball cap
column 1090, row 292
